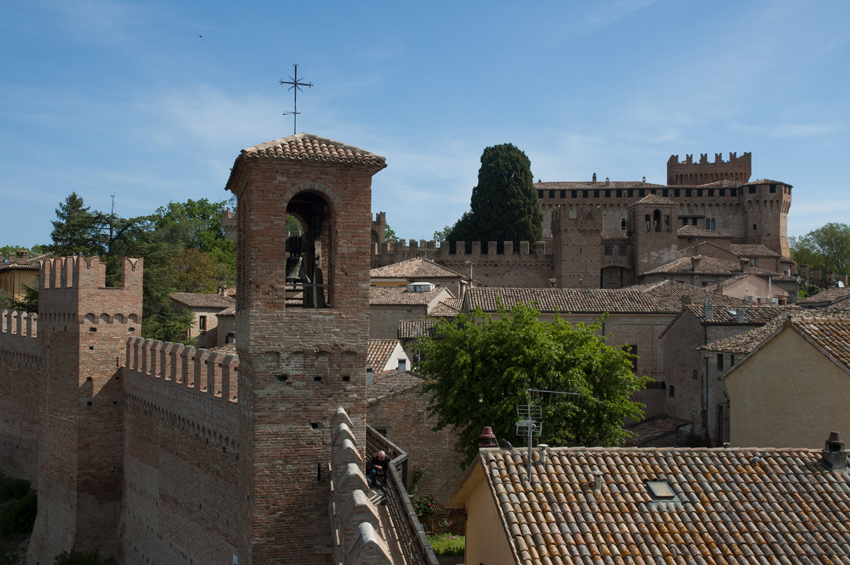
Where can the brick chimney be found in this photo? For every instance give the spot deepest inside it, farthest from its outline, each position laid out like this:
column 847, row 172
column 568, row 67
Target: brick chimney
column 740, row 315
column 745, row 263
column 22, row 256
column 708, row 309
column 834, row 455
column 695, row 263
column 487, row 439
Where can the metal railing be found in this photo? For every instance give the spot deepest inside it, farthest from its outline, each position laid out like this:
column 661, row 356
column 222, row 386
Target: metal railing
column 411, row 535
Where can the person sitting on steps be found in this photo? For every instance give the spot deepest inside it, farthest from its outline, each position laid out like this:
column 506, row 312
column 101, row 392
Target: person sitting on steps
column 378, row 468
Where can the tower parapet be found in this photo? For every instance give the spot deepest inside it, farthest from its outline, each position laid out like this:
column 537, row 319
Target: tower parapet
column 687, row 172
column 577, row 240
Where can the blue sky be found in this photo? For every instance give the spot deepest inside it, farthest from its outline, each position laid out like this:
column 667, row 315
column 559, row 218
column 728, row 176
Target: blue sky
column 100, row 97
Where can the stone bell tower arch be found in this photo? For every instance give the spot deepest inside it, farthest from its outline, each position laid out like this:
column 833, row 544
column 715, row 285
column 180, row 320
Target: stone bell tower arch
column 301, row 334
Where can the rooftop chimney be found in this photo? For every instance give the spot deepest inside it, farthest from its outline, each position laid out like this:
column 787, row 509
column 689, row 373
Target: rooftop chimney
column 740, row 314
column 597, row 479
column 487, row 439
column 594, row 177
column 542, row 447
column 834, row 456
column 22, row 256
column 708, row 308
column 686, row 300
column 744, row 264
column 695, row 263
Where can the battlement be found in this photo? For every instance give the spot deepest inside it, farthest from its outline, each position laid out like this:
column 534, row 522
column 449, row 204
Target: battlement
column 429, row 249
column 202, row 371
column 576, row 217
column 737, row 169
column 77, row 272
column 228, row 224
column 17, row 323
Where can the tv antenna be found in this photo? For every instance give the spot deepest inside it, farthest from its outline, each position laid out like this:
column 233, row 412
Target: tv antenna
column 296, row 86
column 530, row 417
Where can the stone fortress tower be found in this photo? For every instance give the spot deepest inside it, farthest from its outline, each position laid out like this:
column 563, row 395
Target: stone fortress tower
column 302, row 355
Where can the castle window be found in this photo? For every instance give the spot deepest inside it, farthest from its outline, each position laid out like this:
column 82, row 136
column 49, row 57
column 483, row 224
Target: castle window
column 672, row 391
column 694, row 221
column 596, row 194
column 623, row 224
column 755, row 227
column 202, row 323
column 711, row 192
column 607, row 194
column 719, row 361
column 551, row 194
column 623, row 250
column 684, row 221
column 676, row 193
column 652, row 191
column 699, row 192
column 752, row 189
column 563, row 194
column 619, row 193
column 573, row 194
column 632, row 350
column 667, row 226
column 309, row 262
column 665, row 193
column 609, row 250
column 656, row 220
column 648, row 220
column 722, row 192
column 641, row 193
column 773, row 189
column 540, row 194
column 584, row 193
column 688, row 192
column 631, row 193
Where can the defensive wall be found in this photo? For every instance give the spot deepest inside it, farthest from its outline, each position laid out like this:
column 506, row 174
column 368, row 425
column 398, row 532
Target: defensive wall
column 525, row 266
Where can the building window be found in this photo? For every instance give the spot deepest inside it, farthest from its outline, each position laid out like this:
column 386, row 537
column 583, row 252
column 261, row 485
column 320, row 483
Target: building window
column 573, row 194
column 551, row 194
column 694, row 221
column 687, row 192
column 623, row 250
column 773, row 189
column 607, row 194
column 696, row 374
column 731, row 360
column 752, row 189
column 699, row 192
column 596, row 194
column 633, row 350
column 652, row 191
column 676, row 192
column 665, row 193
column 540, row 194
column 672, row 391
column 755, row 227
column 563, row 194
column 641, row 193
column 722, row 192
column 719, row 361
column 202, row 323
column 623, row 224
column 619, row 193
column 648, row 219
column 711, row 192
column 584, row 193
column 609, row 250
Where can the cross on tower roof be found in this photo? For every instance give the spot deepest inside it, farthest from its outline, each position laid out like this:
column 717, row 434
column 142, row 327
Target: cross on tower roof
column 296, row 86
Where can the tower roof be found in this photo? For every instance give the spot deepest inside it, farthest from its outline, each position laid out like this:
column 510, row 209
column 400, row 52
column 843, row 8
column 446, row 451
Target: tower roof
column 655, row 199
column 309, row 147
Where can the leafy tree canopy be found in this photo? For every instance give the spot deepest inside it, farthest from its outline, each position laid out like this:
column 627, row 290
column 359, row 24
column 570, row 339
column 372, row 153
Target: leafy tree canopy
column 827, row 248
column 504, row 203
column 389, row 233
column 5, row 300
column 481, row 368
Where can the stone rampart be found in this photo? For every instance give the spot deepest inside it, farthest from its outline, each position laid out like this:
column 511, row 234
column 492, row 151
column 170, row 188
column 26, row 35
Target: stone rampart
column 523, row 266
column 19, row 399
column 181, row 451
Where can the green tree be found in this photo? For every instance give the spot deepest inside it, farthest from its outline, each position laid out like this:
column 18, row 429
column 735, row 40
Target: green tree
column 30, row 301
column 75, row 229
column 827, row 248
column 443, row 234
column 5, row 300
column 191, row 270
column 504, row 203
column 389, row 233
column 481, row 367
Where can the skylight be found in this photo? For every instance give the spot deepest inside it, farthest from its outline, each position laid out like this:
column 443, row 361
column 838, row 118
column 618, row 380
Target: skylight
column 660, row 490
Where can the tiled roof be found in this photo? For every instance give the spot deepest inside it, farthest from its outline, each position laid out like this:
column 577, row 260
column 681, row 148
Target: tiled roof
column 227, row 349
column 391, row 382
column 750, row 250
column 412, row 329
column 752, row 314
column 651, row 430
column 448, row 308
column 598, row 185
column 775, row 276
column 660, row 297
column 707, row 264
column 31, row 264
column 228, row 312
column 830, row 335
column 200, row 300
column 728, row 506
column 694, row 231
column 414, row 268
column 309, row 147
column 746, row 342
column 380, row 351
column 767, row 181
column 828, row 296
column 655, row 199
column 401, row 295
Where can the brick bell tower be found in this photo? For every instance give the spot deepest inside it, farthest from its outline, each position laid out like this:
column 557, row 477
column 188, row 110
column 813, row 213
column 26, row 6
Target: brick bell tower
column 302, row 311
column 83, row 330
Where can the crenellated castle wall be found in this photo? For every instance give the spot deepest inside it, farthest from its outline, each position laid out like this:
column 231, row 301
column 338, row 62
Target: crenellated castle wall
column 19, row 394
column 181, row 448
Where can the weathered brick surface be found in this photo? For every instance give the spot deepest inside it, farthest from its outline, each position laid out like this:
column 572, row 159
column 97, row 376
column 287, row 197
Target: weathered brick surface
column 284, row 433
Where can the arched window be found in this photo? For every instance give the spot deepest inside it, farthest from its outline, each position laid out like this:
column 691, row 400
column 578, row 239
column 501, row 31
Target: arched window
column 656, row 220
column 309, row 268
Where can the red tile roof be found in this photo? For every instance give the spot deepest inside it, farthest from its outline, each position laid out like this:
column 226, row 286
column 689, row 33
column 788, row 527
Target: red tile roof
column 828, row 296
column 201, row 300
column 414, row 268
column 655, row 199
column 391, row 382
column 830, row 335
column 412, row 329
column 379, row 354
column 390, row 295
column 598, row 185
column 651, row 430
column 750, row 250
column 694, row 231
column 309, row 147
column 448, row 308
column 728, row 506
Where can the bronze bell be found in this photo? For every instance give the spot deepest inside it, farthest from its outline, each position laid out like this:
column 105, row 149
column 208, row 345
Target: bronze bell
column 293, row 268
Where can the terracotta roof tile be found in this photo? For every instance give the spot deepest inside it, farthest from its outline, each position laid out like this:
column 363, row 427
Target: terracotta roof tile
column 655, row 199
column 412, row 329
column 391, row 382
column 598, row 185
column 707, row 264
column 380, row 351
column 390, row 295
column 228, row 312
column 752, row 314
column 831, row 335
column 414, row 268
column 767, row 181
column 750, row 250
column 828, row 296
column 660, row 297
column 694, row 231
column 651, row 430
column 746, row 342
column 448, row 308
column 729, row 506
column 201, row 300
column 309, row 147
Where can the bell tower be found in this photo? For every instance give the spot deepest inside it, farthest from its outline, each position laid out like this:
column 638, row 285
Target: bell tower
column 302, row 341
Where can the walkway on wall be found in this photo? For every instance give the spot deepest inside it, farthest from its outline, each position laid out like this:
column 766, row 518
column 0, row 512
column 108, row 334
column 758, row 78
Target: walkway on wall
column 378, row 497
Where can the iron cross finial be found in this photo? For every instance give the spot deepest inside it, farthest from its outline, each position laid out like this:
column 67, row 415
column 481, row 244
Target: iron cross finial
column 296, row 86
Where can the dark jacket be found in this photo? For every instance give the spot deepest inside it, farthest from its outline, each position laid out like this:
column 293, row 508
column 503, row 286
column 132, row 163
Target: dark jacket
column 376, row 463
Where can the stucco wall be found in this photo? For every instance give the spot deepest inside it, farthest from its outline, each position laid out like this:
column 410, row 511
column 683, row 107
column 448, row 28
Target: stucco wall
column 787, row 394
column 486, row 541
column 384, row 318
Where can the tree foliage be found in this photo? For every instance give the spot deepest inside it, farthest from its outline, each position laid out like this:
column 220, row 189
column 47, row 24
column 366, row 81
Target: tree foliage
column 826, row 248
column 5, row 300
column 481, row 368
column 504, row 203
column 389, row 233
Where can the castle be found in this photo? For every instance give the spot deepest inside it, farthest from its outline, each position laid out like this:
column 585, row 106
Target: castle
column 160, row 454
column 608, row 234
